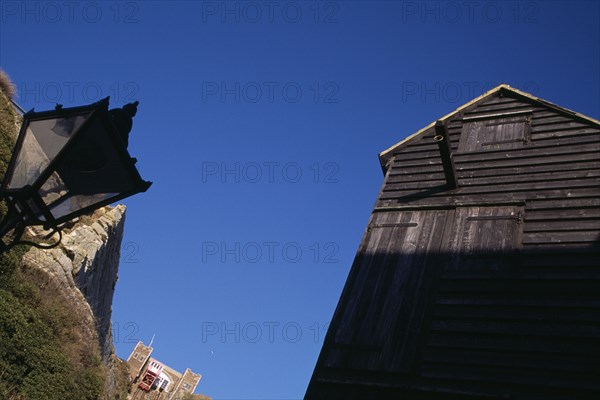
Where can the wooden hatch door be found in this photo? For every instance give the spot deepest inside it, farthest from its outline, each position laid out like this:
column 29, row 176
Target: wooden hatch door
column 495, row 132
column 376, row 326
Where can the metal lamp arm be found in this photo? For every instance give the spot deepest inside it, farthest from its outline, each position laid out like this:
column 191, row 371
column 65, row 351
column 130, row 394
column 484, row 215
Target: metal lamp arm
column 12, row 221
column 43, row 246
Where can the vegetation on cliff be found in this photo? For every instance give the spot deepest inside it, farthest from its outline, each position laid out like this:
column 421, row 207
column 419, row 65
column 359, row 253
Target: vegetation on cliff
column 43, row 354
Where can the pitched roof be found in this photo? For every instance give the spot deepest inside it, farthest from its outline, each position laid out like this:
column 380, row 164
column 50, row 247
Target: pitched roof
column 385, row 155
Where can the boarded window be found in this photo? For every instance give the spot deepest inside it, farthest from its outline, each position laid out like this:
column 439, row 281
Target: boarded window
column 494, row 133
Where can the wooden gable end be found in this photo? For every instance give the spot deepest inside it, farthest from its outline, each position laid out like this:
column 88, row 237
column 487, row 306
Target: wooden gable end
column 489, row 290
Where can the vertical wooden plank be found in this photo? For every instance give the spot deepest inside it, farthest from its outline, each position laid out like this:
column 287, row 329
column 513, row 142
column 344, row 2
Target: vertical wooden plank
column 470, row 133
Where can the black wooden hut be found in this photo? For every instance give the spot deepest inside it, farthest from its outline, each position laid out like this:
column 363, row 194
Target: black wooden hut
column 478, row 276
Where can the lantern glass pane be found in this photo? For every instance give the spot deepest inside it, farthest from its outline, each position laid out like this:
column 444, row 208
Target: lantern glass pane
column 71, row 204
column 42, row 142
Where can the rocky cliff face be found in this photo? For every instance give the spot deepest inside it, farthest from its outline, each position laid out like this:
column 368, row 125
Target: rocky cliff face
column 86, row 264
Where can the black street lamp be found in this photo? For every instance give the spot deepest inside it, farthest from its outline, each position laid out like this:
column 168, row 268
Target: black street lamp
column 68, row 162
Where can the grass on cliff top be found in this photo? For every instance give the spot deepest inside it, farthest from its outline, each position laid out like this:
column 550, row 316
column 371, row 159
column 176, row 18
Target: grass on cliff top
column 43, row 351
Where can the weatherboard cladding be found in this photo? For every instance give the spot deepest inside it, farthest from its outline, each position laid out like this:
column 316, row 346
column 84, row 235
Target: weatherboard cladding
column 490, row 290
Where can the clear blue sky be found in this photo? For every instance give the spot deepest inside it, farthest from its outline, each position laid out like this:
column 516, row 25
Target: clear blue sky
column 260, row 125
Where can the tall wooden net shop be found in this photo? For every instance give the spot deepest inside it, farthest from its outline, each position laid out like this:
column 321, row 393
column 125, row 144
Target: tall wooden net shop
column 478, row 276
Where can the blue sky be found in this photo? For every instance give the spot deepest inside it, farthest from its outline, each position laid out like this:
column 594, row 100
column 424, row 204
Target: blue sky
column 260, row 125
